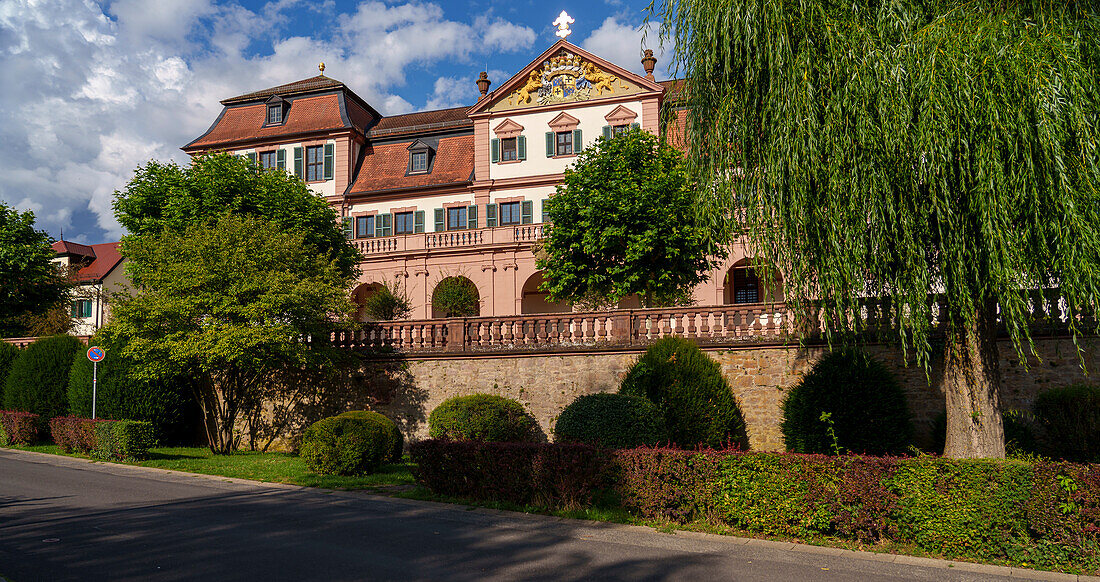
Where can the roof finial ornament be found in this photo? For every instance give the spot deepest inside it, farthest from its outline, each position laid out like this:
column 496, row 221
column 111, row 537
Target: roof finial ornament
column 322, row 68
column 563, row 22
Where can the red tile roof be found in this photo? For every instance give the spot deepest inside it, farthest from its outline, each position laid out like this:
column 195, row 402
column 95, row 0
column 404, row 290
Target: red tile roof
column 672, row 89
column 385, row 165
column 422, row 121
column 104, row 258
column 243, row 123
column 304, row 86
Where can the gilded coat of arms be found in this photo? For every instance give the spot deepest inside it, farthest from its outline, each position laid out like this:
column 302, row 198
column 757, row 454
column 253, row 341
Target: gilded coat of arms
column 565, row 77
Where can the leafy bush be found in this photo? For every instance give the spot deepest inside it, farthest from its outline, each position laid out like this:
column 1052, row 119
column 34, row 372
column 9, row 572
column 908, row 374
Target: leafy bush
column 862, row 403
column 456, row 297
column 40, row 375
column 386, row 304
column 123, row 440
column 397, row 440
column 548, row 475
column 18, row 427
column 347, row 445
column 74, row 434
column 8, row 354
column 691, row 393
column 615, row 421
column 168, row 406
column 482, row 417
column 1069, row 418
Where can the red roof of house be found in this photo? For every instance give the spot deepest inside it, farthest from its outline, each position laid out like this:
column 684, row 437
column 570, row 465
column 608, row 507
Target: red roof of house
column 422, row 121
column 385, row 166
column 310, row 85
column 246, row 122
column 103, row 259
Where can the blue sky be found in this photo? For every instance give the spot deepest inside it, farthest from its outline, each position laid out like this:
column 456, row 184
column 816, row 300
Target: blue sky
column 90, row 90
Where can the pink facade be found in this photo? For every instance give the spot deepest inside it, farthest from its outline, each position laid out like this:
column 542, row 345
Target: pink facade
column 458, row 192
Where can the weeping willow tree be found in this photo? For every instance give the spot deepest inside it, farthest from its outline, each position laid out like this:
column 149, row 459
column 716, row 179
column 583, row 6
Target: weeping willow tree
column 905, row 150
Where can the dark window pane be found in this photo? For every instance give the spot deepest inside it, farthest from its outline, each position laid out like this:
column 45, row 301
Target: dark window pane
column 619, row 129
column 456, row 218
column 420, row 161
column 267, row 160
column 746, row 286
column 364, row 226
column 275, row 114
column 510, row 213
column 508, row 149
column 403, row 223
column 565, row 143
column 315, row 163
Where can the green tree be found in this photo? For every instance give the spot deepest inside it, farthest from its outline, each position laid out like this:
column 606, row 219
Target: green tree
column 456, row 297
column 624, row 223
column 233, row 304
column 166, row 196
column 31, row 284
column 902, row 149
column 39, row 376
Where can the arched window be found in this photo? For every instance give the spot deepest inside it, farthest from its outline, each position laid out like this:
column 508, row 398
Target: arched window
column 746, row 285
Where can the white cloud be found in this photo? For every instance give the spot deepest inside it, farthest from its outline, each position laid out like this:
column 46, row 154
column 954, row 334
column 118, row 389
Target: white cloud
column 621, row 43
column 88, row 92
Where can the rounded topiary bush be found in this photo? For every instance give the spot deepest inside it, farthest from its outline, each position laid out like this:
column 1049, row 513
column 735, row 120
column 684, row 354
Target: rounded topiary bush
column 397, row 440
column 346, row 445
column 865, row 404
column 39, row 377
column 614, row 421
column 483, row 417
column 692, row 395
column 167, row 405
column 1069, row 422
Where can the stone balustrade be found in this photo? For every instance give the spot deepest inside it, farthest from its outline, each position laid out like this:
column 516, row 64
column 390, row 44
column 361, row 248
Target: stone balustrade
column 497, row 235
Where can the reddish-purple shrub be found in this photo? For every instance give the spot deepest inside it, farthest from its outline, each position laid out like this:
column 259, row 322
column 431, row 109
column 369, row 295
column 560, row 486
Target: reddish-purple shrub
column 668, row 483
column 549, row 475
column 18, row 428
column 74, row 434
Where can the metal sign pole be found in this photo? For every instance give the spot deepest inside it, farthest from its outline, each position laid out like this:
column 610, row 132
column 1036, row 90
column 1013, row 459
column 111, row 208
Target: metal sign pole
column 95, row 378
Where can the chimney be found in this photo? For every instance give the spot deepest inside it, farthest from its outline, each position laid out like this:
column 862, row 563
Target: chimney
column 483, row 83
column 649, row 62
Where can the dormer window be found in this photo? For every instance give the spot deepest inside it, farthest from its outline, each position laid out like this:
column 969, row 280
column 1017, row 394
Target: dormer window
column 276, row 110
column 420, row 157
column 274, row 114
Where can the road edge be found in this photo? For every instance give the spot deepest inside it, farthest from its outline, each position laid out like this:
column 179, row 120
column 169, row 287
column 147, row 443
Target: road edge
column 1008, row 571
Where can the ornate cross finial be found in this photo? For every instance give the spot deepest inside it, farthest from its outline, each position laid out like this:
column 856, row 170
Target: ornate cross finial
column 563, row 22
column 322, row 68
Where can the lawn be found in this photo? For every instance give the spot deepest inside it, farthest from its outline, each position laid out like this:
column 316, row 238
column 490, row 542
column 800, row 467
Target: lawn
column 269, row 467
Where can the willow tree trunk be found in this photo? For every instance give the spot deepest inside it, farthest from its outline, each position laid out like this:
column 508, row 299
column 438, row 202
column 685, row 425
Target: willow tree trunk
column 972, row 383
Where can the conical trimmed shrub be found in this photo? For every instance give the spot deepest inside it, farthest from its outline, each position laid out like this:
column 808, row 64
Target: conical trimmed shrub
column 39, row 377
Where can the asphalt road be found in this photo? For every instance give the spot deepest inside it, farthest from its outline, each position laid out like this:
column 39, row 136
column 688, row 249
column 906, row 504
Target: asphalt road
column 65, row 519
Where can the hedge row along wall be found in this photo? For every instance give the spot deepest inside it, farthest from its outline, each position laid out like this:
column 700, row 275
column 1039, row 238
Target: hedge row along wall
column 1041, row 514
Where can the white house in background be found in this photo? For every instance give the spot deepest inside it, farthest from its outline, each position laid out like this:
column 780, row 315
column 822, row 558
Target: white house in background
column 98, row 272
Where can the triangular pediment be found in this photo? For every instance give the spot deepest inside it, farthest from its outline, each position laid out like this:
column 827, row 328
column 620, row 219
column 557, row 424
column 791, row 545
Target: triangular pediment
column 508, row 127
column 620, row 115
column 564, row 121
column 564, row 74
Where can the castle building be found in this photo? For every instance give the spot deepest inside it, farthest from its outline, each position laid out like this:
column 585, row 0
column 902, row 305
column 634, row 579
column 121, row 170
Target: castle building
column 456, row 192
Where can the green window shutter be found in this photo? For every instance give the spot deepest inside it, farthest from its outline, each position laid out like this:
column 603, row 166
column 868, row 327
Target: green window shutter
column 607, row 132
column 440, row 214
column 494, row 150
column 75, row 308
column 251, row 157
column 549, row 144
column 418, row 222
column 280, row 159
column 386, row 226
column 471, row 217
column 490, row 215
column 578, row 143
column 298, row 162
column 635, row 126
column 329, row 163
column 526, row 209
column 545, row 210
column 347, row 228
column 521, row 148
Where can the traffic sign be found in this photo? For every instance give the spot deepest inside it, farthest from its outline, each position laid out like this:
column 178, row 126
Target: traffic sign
column 96, row 354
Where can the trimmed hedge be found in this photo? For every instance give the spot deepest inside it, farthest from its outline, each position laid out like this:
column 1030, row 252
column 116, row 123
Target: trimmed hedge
column 356, row 444
column 8, row 355
column 865, row 404
column 693, row 396
column 39, row 377
column 614, row 421
column 483, row 417
column 1069, row 418
column 123, row 440
column 1042, row 514
column 397, row 440
column 74, row 434
column 558, row 475
column 18, row 427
